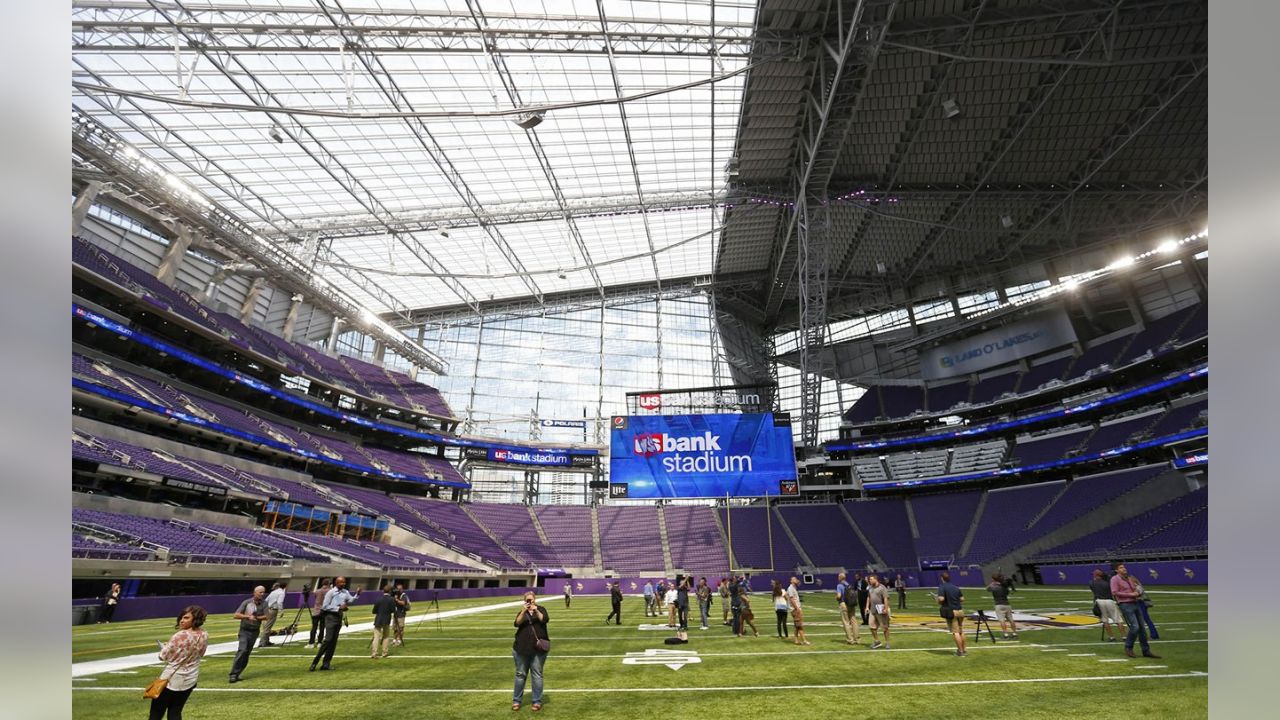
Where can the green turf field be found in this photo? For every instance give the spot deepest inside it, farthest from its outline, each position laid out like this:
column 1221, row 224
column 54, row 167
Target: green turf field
column 464, row 668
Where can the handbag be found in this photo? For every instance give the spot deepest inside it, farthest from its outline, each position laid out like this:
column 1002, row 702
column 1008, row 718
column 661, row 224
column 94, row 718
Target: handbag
column 1097, row 609
column 542, row 644
column 156, row 687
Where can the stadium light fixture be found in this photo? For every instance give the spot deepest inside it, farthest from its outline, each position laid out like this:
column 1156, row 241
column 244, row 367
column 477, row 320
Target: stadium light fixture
column 1071, row 284
column 1121, row 263
column 529, row 120
column 1167, row 246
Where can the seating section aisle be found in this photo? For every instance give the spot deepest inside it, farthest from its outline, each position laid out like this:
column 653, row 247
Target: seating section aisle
column 568, row 527
column 884, row 522
column 1006, row 519
column 468, row 536
column 943, row 521
column 750, row 531
column 826, row 535
column 630, row 540
column 514, row 525
column 696, row 544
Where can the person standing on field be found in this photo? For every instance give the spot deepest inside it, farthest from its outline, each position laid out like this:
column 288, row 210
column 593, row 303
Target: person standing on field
column 877, row 610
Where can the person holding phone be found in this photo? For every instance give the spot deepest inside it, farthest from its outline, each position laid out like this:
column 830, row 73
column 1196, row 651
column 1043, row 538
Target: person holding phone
column 181, row 656
column 530, row 649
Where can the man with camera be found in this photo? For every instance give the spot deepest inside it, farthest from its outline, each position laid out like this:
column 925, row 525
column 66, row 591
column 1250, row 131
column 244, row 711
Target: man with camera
column 397, row 617
column 335, row 603
column 251, row 613
column 999, row 590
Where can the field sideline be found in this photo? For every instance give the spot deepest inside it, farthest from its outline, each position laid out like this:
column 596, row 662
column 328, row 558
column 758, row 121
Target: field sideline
column 464, row 668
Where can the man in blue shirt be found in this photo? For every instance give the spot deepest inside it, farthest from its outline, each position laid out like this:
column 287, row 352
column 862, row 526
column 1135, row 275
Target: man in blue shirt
column 335, row 603
column 648, row 598
column 951, row 608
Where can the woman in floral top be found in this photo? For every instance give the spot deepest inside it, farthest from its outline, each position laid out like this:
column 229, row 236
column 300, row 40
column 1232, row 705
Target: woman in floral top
column 182, row 663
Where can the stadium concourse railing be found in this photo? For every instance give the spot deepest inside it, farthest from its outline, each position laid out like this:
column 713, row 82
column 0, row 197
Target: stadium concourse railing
column 137, row 284
column 1116, row 452
column 1127, row 361
column 1184, row 552
column 445, row 439
column 968, row 432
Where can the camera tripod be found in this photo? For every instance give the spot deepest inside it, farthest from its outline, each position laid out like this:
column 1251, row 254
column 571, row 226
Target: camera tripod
column 290, row 630
column 980, row 622
column 434, row 603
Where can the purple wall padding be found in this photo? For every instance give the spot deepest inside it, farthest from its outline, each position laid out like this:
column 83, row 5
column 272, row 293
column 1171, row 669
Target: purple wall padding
column 1187, row 572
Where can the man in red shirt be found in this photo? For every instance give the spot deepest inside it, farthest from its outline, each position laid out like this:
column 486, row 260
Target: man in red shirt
column 1125, row 593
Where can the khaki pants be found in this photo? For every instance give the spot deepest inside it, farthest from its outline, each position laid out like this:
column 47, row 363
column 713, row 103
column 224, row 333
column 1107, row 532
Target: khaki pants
column 849, row 618
column 381, row 635
column 264, row 634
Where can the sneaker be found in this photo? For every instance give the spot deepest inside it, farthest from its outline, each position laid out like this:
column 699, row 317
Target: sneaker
column 233, row 679
column 876, row 646
column 704, row 627
column 1128, row 652
column 1151, row 655
column 886, row 646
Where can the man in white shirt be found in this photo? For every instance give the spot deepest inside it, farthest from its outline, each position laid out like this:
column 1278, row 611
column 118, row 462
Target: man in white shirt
column 670, row 601
column 797, row 613
column 275, row 605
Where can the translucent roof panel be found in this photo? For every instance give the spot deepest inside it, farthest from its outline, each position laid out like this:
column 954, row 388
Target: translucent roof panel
column 420, row 122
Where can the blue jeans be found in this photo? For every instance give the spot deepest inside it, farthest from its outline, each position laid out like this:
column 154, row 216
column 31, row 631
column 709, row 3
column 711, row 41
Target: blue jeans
column 1136, row 629
column 526, row 665
column 705, row 608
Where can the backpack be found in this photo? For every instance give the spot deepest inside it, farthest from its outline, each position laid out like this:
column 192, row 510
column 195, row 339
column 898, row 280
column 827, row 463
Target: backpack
column 851, row 596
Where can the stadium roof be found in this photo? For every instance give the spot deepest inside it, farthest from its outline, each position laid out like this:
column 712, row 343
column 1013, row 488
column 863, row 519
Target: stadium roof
column 382, row 136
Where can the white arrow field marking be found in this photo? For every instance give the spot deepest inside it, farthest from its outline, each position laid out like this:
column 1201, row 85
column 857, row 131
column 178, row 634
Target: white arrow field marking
column 674, row 659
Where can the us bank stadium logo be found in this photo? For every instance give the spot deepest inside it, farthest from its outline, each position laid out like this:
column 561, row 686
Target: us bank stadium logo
column 651, row 401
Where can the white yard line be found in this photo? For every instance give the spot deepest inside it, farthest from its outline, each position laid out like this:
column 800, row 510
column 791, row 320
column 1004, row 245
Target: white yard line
column 596, row 656
column 95, row 667
column 730, row 688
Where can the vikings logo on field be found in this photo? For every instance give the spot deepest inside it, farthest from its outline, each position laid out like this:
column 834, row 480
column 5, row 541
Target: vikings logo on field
column 1025, row 621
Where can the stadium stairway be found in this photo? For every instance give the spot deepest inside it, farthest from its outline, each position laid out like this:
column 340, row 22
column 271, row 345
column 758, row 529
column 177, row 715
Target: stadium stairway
column 517, row 557
column 537, row 526
column 1155, row 492
column 973, row 526
column 875, row 554
column 598, row 554
column 724, row 539
column 782, row 523
column 668, row 565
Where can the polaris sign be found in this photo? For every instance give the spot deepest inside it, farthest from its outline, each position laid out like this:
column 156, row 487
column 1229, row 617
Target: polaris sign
column 657, row 456
column 1029, row 336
